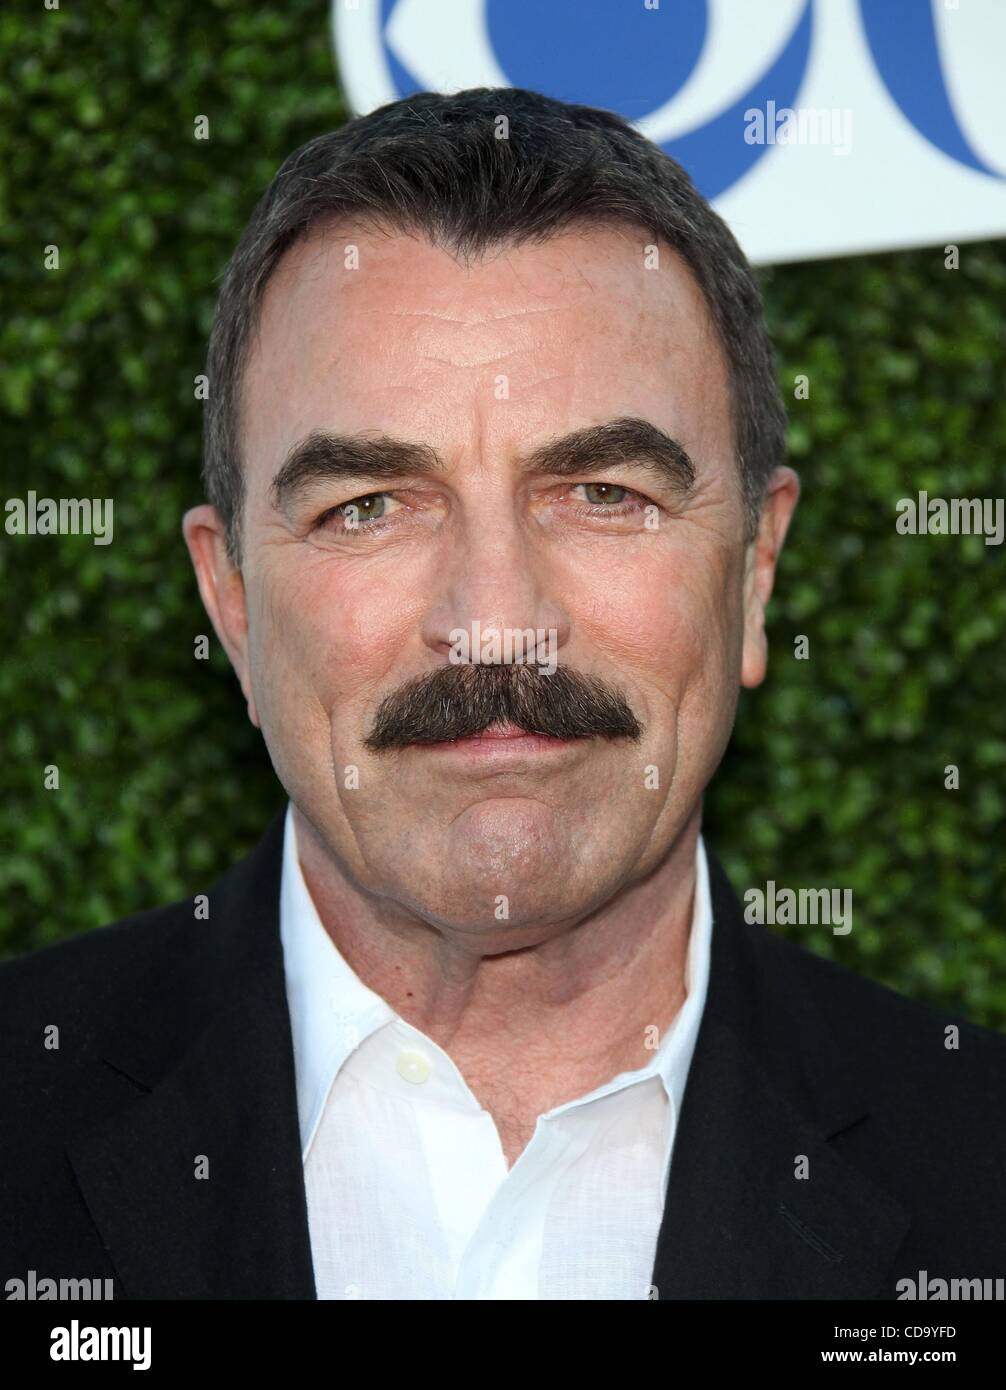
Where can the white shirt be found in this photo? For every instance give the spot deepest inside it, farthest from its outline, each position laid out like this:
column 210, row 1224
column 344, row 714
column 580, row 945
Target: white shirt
column 408, row 1191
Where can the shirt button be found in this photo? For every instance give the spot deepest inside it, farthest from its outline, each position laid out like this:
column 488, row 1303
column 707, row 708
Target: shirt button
column 414, row 1067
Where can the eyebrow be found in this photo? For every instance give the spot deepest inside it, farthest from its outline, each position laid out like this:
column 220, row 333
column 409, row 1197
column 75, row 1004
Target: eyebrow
column 323, row 456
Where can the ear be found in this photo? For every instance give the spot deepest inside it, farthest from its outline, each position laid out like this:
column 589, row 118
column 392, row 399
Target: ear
column 759, row 570
column 222, row 589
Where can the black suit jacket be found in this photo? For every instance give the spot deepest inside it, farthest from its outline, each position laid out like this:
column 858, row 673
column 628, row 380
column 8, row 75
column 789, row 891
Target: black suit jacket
column 175, row 1043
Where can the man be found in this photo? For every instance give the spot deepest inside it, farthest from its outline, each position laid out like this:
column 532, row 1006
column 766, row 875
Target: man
column 496, row 493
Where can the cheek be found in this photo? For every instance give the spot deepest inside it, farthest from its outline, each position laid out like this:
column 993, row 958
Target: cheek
column 326, row 640
column 674, row 626
column 709, row 628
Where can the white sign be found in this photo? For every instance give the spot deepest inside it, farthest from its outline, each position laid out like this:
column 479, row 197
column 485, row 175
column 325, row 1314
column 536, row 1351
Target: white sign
column 816, row 127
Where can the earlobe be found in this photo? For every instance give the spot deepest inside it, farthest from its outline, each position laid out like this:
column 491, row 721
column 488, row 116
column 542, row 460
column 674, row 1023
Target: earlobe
column 221, row 588
column 754, row 660
column 252, row 711
column 781, row 497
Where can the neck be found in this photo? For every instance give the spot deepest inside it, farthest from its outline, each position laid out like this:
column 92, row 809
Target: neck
column 564, row 1013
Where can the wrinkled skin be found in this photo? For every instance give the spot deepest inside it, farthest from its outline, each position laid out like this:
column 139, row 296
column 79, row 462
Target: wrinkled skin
column 590, row 843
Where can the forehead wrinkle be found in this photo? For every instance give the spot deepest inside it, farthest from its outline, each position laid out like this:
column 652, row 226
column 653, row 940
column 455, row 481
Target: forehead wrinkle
column 492, row 357
column 473, row 321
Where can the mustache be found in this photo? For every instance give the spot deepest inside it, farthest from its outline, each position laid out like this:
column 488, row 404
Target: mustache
column 462, row 700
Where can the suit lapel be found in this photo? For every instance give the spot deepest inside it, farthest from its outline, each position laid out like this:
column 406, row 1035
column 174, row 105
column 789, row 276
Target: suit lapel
column 196, row 1184
column 767, row 1092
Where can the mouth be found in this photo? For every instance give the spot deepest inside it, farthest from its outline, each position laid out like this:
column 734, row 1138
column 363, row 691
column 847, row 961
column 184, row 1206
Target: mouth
column 501, row 741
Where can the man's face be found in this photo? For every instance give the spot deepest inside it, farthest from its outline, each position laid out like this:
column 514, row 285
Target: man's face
column 643, row 578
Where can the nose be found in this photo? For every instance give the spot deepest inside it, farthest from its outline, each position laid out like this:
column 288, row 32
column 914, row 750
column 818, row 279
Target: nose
column 493, row 602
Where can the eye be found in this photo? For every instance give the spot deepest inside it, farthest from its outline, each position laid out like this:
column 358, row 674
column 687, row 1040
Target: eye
column 604, row 494
column 610, row 496
column 356, row 514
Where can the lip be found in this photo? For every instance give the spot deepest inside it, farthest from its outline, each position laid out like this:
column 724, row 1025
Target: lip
column 501, row 742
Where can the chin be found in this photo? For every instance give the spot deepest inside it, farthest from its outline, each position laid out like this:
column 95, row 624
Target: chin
column 506, row 922
column 530, row 899
column 501, row 842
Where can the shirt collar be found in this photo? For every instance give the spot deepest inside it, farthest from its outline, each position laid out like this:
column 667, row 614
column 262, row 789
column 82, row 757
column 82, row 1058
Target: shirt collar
column 332, row 1011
